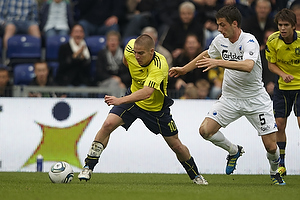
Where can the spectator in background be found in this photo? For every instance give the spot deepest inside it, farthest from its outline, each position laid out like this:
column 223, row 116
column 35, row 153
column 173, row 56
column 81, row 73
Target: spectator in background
column 5, row 85
column 295, row 7
column 190, row 92
column 215, row 77
column 206, row 11
column 18, row 16
column 56, row 18
column 158, row 47
column 203, row 88
column 260, row 22
column 41, row 79
column 97, row 17
column 139, row 15
column 167, row 14
column 74, row 60
column 111, row 72
column 178, row 31
column 244, row 6
column 192, row 48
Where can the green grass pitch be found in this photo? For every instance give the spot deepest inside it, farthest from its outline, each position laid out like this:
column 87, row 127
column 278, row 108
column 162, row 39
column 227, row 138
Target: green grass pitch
column 37, row 186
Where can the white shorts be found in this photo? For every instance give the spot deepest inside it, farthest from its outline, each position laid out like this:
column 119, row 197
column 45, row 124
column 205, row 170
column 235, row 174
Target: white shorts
column 258, row 111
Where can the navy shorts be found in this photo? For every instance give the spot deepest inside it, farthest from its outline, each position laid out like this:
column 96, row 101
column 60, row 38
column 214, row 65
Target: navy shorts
column 160, row 122
column 283, row 102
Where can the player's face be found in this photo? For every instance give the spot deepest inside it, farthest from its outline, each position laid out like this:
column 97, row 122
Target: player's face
column 286, row 30
column 225, row 28
column 143, row 55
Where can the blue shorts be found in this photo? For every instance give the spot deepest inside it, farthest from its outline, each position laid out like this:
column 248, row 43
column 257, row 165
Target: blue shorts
column 160, row 122
column 284, row 100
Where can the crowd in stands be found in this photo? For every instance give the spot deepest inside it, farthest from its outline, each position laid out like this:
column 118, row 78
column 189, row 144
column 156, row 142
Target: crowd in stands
column 181, row 29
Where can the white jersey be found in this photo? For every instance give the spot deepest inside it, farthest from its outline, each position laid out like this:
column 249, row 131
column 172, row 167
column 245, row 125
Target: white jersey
column 238, row 84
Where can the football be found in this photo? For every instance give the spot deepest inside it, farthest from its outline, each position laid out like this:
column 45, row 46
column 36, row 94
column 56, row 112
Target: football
column 61, row 172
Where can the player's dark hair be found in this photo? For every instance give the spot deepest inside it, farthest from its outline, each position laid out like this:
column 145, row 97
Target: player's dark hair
column 286, row 15
column 231, row 14
column 146, row 41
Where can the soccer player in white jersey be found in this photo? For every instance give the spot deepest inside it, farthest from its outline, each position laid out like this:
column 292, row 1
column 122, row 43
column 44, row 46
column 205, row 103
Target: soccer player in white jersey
column 243, row 93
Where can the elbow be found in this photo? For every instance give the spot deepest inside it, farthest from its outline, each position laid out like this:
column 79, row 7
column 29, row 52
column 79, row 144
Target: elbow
column 249, row 69
column 249, row 66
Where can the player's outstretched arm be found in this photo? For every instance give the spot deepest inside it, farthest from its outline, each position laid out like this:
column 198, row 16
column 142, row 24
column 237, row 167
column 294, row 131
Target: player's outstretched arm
column 178, row 71
column 139, row 95
column 209, row 63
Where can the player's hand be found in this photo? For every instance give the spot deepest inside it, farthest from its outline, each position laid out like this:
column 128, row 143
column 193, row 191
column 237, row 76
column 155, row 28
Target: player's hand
column 288, row 78
column 111, row 100
column 207, row 63
column 176, row 72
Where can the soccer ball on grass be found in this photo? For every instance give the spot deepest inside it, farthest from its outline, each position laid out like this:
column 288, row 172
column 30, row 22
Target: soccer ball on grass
column 61, row 172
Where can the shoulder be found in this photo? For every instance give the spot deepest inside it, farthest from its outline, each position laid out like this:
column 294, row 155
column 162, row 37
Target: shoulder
column 160, row 61
column 273, row 36
column 298, row 34
column 247, row 36
column 129, row 46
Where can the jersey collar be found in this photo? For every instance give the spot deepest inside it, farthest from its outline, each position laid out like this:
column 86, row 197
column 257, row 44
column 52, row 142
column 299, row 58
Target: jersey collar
column 150, row 61
column 294, row 37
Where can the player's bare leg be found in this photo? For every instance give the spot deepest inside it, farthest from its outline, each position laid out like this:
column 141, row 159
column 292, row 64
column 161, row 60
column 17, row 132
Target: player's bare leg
column 98, row 145
column 185, row 158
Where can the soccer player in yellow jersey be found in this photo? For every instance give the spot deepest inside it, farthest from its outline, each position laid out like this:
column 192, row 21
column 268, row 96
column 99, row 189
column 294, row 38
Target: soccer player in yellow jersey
column 147, row 100
column 283, row 55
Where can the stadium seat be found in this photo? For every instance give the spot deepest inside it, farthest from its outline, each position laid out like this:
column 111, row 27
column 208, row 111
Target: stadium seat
column 126, row 40
column 53, row 66
column 52, row 46
column 95, row 44
column 23, row 73
column 23, row 47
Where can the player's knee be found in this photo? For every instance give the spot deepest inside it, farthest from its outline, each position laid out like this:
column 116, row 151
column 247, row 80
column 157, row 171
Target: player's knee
column 108, row 125
column 177, row 148
column 271, row 148
column 203, row 132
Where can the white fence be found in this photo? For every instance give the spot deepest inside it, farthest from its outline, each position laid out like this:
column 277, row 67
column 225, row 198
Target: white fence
column 63, row 129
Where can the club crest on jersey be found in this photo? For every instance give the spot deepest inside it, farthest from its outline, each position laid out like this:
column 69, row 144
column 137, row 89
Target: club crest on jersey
column 297, row 51
column 240, row 48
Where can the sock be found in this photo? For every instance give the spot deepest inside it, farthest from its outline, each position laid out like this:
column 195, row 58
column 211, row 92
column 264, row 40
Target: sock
column 274, row 160
column 282, row 146
column 219, row 140
column 191, row 168
column 94, row 154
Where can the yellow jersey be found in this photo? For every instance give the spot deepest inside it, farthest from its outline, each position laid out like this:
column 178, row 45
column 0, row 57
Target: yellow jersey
column 286, row 57
column 154, row 75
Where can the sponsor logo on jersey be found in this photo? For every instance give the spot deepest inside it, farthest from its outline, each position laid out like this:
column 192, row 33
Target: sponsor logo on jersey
column 231, row 56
